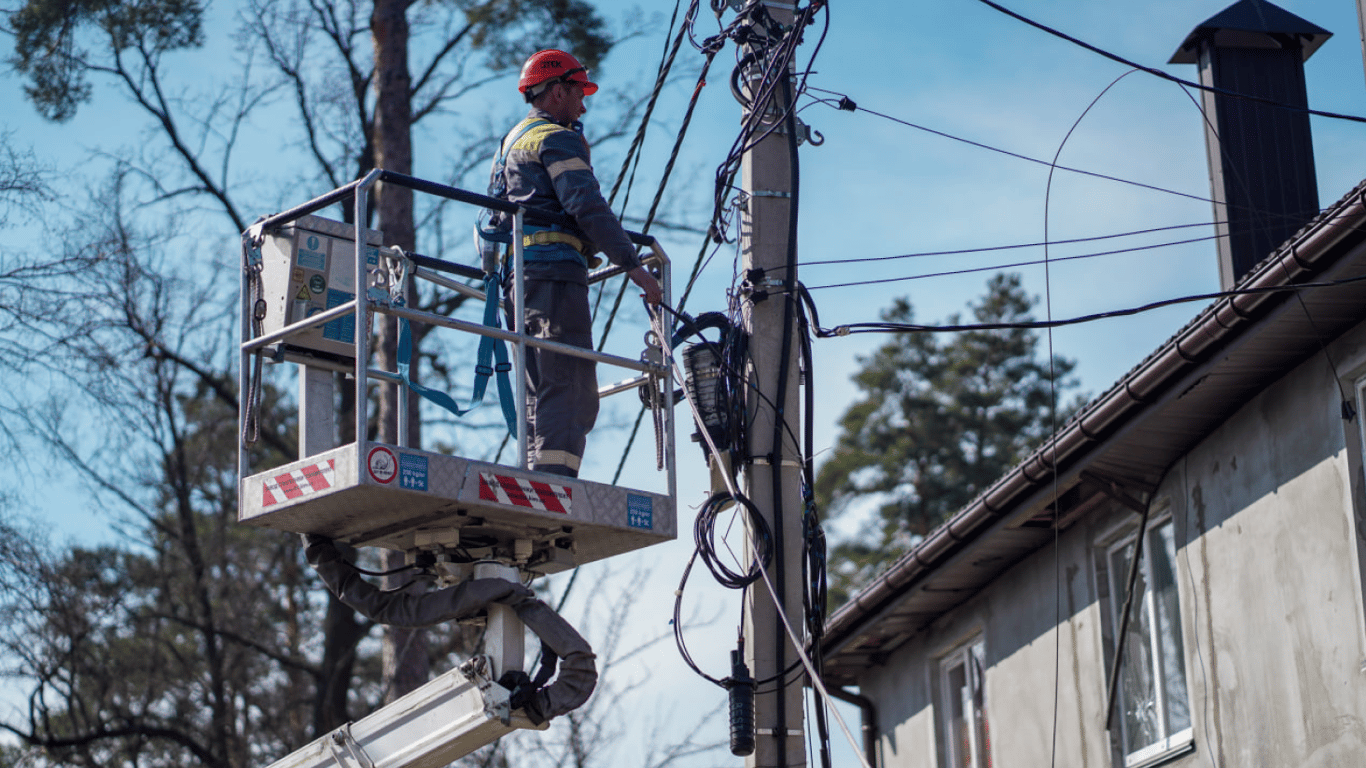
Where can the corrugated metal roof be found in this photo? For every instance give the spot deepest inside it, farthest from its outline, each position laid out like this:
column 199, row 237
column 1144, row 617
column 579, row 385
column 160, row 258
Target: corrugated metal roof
column 1131, row 434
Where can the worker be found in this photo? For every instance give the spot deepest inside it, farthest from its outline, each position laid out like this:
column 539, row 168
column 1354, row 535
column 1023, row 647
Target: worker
column 544, row 163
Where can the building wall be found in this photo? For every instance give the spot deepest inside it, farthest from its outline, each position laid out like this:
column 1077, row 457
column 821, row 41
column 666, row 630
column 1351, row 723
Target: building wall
column 1272, row 607
column 1273, row 628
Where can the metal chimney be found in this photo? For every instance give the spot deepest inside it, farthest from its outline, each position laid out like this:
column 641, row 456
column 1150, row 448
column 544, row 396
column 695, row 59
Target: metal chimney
column 1261, row 156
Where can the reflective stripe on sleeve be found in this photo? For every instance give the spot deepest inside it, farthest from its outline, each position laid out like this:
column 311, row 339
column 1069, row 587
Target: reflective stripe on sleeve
column 570, row 164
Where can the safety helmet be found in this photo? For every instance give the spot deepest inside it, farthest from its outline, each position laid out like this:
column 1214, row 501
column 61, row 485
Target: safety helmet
column 545, row 68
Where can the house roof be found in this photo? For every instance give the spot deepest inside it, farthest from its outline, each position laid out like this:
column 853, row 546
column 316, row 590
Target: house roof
column 1123, row 442
column 1252, row 24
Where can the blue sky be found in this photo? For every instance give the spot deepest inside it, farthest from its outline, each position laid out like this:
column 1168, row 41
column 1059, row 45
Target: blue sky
column 876, row 188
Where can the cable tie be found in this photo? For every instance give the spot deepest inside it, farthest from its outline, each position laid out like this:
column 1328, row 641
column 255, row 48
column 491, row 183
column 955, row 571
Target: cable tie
column 841, row 330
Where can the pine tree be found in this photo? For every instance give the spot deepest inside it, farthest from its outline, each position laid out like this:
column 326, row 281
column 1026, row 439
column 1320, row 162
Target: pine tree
column 941, row 417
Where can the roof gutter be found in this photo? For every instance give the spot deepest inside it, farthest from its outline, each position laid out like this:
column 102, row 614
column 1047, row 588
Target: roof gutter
column 1227, row 318
column 868, row 718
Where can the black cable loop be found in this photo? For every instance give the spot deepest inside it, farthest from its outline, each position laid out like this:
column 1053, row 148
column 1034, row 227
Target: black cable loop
column 704, row 536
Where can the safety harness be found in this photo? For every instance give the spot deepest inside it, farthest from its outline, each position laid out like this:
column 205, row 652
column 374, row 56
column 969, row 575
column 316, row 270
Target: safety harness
column 494, row 236
column 491, row 349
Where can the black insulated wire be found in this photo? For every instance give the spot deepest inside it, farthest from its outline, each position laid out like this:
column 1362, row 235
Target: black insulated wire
column 704, row 539
column 1164, row 75
column 853, row 328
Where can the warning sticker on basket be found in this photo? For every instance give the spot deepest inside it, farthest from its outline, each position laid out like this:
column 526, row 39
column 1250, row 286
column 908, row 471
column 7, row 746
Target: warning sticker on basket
column 383, row 466
column 522, row 492
column 298, row 482
column 640, row 511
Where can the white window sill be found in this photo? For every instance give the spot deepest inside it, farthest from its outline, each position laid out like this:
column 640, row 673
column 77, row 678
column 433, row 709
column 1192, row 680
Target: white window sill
column 1170, row 748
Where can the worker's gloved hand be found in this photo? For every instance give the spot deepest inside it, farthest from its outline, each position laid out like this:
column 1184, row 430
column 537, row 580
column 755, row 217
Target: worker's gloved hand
column 319, row 549
column 641, row 276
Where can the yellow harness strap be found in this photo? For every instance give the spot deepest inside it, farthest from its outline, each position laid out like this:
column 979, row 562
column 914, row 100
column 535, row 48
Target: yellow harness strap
column 551, row 237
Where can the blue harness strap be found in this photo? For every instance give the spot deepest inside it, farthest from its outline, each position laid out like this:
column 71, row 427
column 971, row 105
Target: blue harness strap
column 490, row 350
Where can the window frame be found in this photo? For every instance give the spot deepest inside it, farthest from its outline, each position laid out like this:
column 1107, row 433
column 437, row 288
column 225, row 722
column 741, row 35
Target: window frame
column 1170, row 743
column 970, row 656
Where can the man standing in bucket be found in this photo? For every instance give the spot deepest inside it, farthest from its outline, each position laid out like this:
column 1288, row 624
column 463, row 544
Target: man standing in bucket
column 546, row 165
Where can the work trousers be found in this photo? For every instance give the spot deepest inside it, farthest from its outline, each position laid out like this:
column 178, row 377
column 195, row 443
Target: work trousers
column 562, row 390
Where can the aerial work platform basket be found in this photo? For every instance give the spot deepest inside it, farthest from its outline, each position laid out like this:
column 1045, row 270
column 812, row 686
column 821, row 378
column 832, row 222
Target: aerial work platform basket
column 309, row 285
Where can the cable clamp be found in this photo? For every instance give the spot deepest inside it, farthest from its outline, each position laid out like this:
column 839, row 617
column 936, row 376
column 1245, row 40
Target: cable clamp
column 779, row 732
column 768, row 193
column 805, row 133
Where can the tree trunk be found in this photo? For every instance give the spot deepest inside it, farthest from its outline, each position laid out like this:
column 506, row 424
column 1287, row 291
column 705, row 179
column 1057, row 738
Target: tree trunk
column 405, row 651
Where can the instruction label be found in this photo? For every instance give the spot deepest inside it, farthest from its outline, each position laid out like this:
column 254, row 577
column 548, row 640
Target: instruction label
column 312, row 253
column 343, row 328
column 412, row 472
column 640, row 512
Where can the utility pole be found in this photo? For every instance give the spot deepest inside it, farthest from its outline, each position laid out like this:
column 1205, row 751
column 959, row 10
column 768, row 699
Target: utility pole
column 772, row 478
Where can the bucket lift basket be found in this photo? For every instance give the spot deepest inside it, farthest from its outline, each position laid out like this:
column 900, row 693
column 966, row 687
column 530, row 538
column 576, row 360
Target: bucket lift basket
column 324, row 282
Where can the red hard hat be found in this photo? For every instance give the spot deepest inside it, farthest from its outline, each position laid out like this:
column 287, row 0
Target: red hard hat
column 551, row 65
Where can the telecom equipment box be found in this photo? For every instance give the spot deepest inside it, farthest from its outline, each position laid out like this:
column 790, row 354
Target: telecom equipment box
column 307, row 267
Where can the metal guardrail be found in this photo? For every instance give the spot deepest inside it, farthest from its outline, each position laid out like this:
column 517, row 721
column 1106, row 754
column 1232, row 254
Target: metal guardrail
column 435, row 271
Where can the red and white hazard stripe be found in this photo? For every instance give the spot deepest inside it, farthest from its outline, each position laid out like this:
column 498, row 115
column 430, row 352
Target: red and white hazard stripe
column 522, row 492
column 300, row 482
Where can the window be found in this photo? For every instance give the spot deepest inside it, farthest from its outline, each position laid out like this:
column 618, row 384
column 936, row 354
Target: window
column 1153, row 705
column 967, row 742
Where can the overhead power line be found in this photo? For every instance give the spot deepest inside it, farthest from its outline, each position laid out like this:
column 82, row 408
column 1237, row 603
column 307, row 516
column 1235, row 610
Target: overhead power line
column 1017, row 246
column 848, row 105
column 849, row 329
column 1165, row 75
column 1012, row 265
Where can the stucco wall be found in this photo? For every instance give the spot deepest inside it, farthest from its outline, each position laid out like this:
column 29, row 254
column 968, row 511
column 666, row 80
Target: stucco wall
column 1270, row 600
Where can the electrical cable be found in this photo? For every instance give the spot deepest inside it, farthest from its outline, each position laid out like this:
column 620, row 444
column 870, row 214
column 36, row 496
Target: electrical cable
column 1018, row 246
column 1164, row 75
column 852, row 328
column 661, row 77
column 704, row 537
column 816, row 681
column 1053, row 422
column 1015, row 264
column 814, row 565
column 779, row 58
column 764, row 32
column 803, row 658
column 668, row 172
column 852, row 107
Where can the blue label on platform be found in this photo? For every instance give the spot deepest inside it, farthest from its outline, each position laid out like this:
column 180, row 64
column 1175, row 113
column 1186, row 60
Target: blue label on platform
column 640, row 511
column 343, row 328
column 412, row 472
